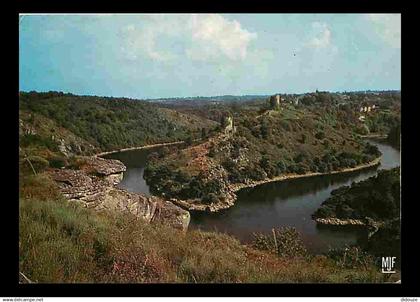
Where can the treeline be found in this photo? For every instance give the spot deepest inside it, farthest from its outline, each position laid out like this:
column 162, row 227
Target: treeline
column 108, row 123
column 378, row 197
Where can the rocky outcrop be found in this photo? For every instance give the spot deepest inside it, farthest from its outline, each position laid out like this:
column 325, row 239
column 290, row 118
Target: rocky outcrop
column 337, row 221
column 102, row 167
column 93, row 185
column 196, row 205
column 150, row 208
column 372, row 225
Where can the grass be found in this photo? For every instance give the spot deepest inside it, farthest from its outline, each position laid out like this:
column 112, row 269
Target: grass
column 60, row 241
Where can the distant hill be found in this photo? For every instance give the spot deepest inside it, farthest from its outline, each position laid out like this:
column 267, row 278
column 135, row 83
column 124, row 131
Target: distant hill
column 110, row 123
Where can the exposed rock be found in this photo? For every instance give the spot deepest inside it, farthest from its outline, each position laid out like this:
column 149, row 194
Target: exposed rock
column 372, row 225
column 151, row 209
column 101, row 166
column 94, row 187
column 337, row 221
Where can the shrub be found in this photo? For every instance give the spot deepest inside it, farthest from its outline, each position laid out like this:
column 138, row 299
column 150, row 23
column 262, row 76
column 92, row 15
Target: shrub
column 57, row 162
column 301, row 168
column 281, row 167
column 283, row 242
column 351, row 257
column 299, row 158
column 210, row 198
column 37, row 140
column 268, row 166
column 212, row 152
column 255, row 172
column 320, row 135
column 37, row 162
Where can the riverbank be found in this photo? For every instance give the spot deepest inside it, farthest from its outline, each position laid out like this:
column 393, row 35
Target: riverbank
column 138, row 148
column 233, row 188
column 237, row 187
column 379, row 135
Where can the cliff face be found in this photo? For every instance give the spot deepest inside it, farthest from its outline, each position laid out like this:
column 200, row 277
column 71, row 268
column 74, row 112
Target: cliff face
column 93, row 185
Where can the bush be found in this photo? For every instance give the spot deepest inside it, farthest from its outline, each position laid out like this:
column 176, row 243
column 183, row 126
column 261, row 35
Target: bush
column 320, row 135
column 255, row 173
column 210, row 198
column 57, row 162
column 37, row 140
column 38, row 163
column 281, row 167
column 301, row 168
column 351, row 257
column 268, row 166
column 283, row 242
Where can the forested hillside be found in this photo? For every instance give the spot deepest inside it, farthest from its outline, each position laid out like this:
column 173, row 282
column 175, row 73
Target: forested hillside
column 377, row 197
column 112, row 123
column 266, row 144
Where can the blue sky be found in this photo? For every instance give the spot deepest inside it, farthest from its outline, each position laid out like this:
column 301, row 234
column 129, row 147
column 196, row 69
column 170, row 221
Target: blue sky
column 181, row 55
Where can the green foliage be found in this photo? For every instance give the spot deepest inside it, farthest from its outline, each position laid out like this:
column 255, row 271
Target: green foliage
column 268, row 166
column 110, row 123
column 362, row 129
column 267, row 145
column 37, row 162
column 57, row 162
column 27, row 140
column 351, row 257
column 394, row 136
column 377, row 197
column 320, row 135
column 285, row 242
column 189, row 140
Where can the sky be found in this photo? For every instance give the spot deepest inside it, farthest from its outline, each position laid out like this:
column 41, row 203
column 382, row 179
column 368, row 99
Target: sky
column 181, row 55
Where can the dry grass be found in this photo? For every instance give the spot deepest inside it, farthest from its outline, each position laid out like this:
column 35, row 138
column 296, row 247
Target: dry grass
column 61, row 242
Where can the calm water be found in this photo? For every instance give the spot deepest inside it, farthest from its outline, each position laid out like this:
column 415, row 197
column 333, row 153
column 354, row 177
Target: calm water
column 135, row 161
column 259, row 209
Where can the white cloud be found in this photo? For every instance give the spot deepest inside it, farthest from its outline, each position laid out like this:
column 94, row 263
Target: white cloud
column 214, row 36
column 388, row 27
column 141, row 41
column 321, row 35
column 204, row 37
column 317, row 55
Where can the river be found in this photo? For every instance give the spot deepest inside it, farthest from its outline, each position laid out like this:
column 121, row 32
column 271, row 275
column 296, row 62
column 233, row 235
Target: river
column 271, row 205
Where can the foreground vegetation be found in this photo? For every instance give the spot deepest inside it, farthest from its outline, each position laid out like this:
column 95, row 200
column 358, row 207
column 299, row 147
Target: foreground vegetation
column 62, row 242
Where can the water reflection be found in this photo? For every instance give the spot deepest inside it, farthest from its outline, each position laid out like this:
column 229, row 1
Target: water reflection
column 135, row 162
